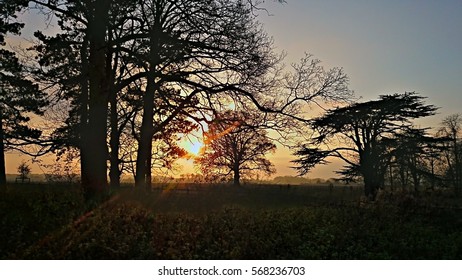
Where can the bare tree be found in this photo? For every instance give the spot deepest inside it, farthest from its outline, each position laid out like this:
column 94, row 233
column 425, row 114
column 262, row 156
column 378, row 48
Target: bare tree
column 452, row 130
column 235, row 144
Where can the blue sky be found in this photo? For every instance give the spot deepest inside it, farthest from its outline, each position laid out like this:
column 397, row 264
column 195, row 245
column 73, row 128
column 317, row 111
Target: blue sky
column 384, row 46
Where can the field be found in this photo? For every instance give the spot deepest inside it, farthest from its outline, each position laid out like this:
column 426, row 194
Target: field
column 193, row 221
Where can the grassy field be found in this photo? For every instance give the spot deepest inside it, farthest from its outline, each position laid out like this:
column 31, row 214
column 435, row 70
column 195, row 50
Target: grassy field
column 193, row 221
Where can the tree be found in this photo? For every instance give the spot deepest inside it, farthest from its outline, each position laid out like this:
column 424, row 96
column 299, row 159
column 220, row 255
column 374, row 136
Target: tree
column 234, row 144
column 413, row 155
column 18, row 98
column 23, row 171
column 202, row 47
column 71, row 80
column 164, row 148
column 90, row 18
column 452, row 130
column 362, row 134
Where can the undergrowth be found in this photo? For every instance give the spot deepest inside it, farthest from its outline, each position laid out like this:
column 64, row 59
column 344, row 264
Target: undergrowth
column 57, row 226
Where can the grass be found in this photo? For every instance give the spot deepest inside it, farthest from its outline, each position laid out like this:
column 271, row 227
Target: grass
column 187, row 221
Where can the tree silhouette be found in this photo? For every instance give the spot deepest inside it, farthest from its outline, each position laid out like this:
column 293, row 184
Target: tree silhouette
column 412, row 154
column 234, row 144
column 18, row 96
column 204, row 48
column 452, row 130
column 23, row 171
column 361, row 134
column 88, row 22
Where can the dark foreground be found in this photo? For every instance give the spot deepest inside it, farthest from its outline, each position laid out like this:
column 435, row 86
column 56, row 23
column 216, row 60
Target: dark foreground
column 222, row 222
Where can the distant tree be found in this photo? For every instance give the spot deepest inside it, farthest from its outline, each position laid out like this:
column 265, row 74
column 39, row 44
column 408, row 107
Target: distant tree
column 362, row 134
column 23, row 171
column 235, row 145
column 452, row 130
column 413, row 152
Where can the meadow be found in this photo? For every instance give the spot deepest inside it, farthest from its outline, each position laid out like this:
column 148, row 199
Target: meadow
column 198, row 221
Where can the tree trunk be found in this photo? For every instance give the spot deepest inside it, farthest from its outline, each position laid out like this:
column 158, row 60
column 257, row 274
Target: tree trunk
column 148, row 167
column 457, row 166
column 145, row 144
column 433, row 179
column 391, row 178
column 114, row 142
column 371, row 187
column 84, row 100
column 94, row 147
column 237, row 176
column 371, row 176
column 2, row 157
column 143, row 160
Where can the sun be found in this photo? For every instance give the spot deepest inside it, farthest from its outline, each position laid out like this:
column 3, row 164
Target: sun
column 196, row 147
column 193, row 147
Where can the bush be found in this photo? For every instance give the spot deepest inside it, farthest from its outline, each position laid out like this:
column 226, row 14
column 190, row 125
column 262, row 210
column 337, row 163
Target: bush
column 29, row 213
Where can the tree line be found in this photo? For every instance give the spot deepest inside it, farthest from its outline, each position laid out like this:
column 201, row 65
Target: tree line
column 381, row 145
column 131, row 78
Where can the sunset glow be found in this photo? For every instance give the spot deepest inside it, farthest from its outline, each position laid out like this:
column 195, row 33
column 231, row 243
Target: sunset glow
column 193, row 147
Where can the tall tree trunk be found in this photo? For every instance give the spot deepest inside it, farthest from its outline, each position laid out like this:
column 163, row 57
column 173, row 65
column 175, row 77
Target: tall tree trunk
column 143, row 160
column 148, row 167
column 145, row 143
column 94, row 152
column 2, row 157
column 83, row 112
column 114, row 142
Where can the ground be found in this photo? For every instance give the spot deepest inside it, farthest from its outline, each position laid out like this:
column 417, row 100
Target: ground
column 194, row 221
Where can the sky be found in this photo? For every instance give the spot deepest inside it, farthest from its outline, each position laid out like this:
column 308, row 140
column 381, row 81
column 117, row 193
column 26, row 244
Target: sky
column 384, row 47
